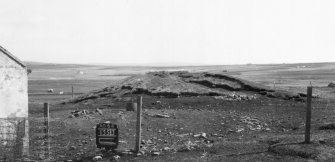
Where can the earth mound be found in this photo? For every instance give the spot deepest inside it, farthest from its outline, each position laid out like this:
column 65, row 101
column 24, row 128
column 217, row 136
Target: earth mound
column 183, row 84
column 331, row 85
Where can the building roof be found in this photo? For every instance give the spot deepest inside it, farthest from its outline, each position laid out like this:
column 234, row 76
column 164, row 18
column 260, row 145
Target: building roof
column 3, row 50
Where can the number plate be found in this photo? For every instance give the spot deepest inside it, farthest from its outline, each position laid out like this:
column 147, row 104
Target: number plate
column 107, row 135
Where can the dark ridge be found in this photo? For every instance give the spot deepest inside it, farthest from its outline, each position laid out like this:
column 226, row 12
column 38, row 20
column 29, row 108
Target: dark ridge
column 246, row 85
column 213, row 85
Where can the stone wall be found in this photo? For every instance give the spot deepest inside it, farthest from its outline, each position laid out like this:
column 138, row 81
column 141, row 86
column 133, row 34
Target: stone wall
column 13, row 109
column 13, row 89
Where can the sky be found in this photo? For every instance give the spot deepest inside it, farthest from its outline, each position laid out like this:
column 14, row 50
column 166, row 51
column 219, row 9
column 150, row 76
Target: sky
column 169, row 32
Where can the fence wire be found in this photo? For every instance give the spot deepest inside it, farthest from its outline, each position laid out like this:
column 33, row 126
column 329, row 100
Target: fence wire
column 11, row 133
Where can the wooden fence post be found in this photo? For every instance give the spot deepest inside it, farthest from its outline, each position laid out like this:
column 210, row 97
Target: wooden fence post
column 46, row 129
column 308, row 115
column 138, row 124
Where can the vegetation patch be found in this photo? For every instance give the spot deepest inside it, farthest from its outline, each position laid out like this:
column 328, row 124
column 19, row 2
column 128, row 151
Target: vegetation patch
column 327, row 126
column 309, row 151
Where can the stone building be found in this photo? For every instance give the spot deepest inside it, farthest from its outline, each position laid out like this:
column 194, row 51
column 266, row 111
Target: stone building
column 13, row 105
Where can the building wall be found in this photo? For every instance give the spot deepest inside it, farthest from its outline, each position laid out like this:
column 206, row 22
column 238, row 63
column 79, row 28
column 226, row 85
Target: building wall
column 13, row 89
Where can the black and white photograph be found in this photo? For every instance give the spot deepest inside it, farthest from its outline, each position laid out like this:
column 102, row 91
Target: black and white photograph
column 167, row 80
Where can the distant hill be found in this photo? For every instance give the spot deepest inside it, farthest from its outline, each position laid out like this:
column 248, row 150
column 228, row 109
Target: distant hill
column 41, row 65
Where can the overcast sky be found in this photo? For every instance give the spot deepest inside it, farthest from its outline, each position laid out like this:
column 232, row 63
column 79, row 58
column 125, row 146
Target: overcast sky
column 169, row 31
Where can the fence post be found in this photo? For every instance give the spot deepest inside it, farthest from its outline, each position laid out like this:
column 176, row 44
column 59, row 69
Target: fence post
column 46, row 130
column 138, row 123
column 308, row 115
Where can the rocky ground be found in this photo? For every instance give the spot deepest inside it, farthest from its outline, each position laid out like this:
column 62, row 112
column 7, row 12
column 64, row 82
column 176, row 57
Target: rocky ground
column 186, row 117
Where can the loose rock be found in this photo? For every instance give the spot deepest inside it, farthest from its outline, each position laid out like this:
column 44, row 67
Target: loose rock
column 97, row 158
column 99, row 111
column 156, row 153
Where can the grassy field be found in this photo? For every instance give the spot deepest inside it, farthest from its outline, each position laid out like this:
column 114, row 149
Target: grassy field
column 230, row 136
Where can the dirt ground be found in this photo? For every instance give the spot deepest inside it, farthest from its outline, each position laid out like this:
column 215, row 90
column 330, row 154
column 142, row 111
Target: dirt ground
column 234, row 130
column 188, row 127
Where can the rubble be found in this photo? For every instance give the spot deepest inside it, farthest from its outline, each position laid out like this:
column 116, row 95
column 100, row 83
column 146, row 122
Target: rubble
column 78, row 113
column 252, row 123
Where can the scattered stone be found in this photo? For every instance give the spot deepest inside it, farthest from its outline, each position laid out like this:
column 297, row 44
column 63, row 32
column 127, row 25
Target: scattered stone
column 73, row 147
column 161, row 116
column 99, row 111
column 166, row 148
column 149, row 142
column 116, row 157
column 239, row 130
column 84, row 112
column 156, row 153
column 97, row 158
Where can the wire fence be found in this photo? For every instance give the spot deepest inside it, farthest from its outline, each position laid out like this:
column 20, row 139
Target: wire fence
column 11, row 134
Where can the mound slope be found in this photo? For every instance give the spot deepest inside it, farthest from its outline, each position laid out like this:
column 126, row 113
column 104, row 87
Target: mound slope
column 183, row 84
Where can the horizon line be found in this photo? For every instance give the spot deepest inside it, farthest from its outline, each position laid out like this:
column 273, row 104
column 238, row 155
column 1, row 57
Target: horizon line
column 169, row 64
